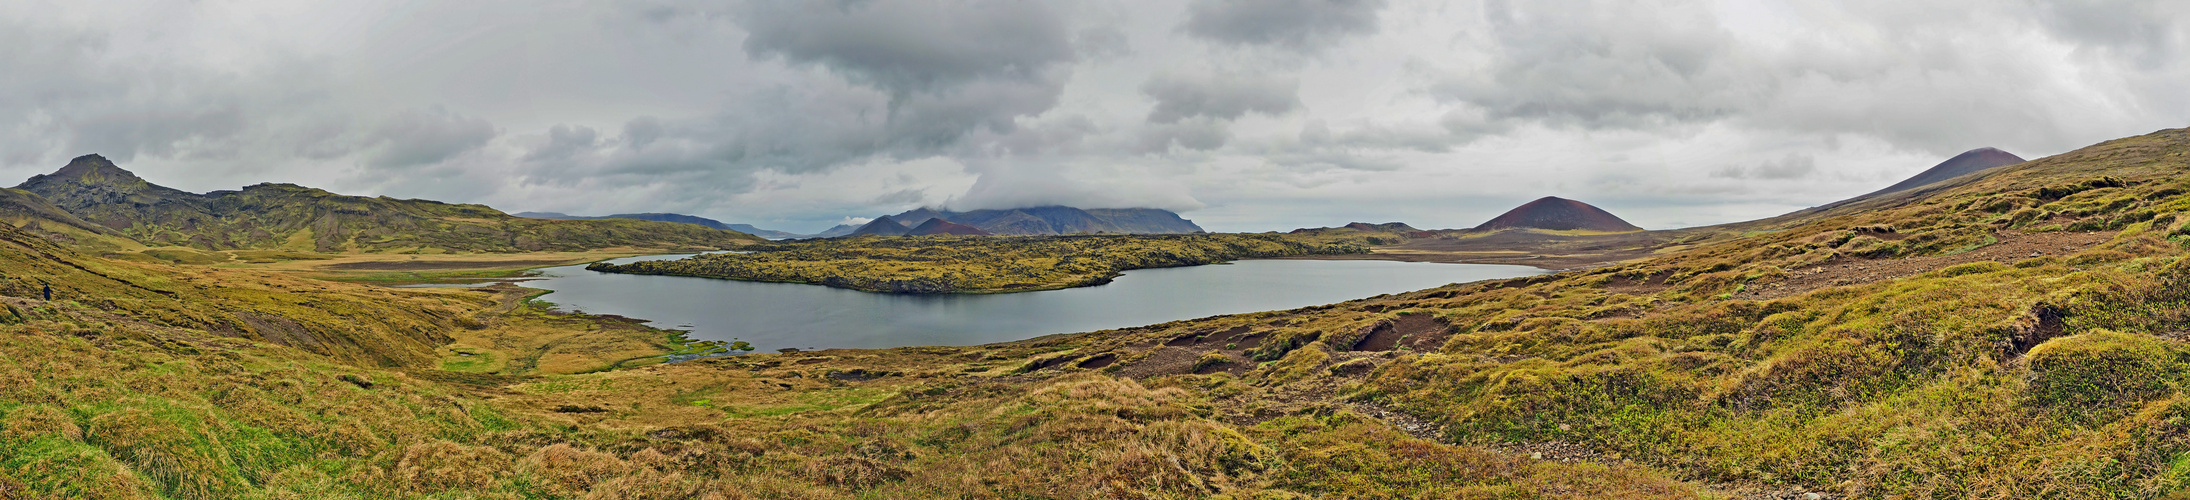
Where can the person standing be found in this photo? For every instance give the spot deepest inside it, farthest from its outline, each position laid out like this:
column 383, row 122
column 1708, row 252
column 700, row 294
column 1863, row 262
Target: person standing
column 49, row 291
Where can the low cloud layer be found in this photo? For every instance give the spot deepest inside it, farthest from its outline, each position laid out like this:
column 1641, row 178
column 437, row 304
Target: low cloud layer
column 1247, row 115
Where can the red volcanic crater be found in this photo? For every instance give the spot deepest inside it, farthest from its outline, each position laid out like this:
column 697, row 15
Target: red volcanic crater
column 1558, row 214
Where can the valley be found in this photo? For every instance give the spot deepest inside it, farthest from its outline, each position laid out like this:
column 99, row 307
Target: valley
column 2013, row 332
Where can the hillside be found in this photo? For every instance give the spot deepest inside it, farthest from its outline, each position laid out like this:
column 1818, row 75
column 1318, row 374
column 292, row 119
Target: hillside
column 1057, row 220
column 1970, row 162
column 1558, row 214
column 291, row 217
column 940, row 226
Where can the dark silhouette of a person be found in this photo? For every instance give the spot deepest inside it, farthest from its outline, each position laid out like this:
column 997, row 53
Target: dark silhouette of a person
column 49, row 293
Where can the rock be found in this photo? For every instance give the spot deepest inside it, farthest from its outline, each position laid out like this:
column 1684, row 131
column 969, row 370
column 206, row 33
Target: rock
column 1812, row 496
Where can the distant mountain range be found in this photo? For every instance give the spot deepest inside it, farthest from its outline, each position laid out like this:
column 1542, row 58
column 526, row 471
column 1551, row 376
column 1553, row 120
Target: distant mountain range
column 93, row 198
column 1029, row 221
column 681, row 218
column 888, row 226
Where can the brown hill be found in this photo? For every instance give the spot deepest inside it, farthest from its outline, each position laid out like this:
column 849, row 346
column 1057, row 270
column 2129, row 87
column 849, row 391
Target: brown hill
column 940, row 226
column 1558, row 214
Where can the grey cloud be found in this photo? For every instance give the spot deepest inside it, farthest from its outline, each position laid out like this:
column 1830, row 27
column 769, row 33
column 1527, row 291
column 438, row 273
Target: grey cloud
column 1318, row 134
column 69, row 93
column 564, row 141
column 2148, row 32
column 1926, row 77
column 1603, row 65
column 1793, row 166
column 427, row 136
column 1199, row 134
column 902, row 197
column 1219, row 95
column 642, row 131
column 907, row 46
column 1040, row 182
column 1304, row 25
column 901, row 79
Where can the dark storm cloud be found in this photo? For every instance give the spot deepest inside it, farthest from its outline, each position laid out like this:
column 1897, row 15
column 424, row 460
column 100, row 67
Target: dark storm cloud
column 899, row 79
column 1304, row 25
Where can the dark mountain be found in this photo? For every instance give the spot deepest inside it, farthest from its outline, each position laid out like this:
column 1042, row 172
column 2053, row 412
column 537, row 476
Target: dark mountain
column 942, row 226
column 1058, row 220
column 1969, row 162
column 918, row 216
column 289, row 216
column 1396, row 227
column 1558, row 214
column 681, row 218
column 883, row 226
column 1956, row 171
column 838, row 231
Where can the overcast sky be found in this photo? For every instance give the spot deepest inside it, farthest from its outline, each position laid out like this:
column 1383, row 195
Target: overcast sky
column 1242, row 115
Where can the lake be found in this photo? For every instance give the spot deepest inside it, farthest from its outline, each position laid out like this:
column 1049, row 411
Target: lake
column 782, row 315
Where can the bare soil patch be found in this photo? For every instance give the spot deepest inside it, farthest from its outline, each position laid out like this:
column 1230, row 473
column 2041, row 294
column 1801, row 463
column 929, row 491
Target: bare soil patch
column 1382, row 337
column 1099, row 361
column 1162, row 361
column 2014, row 246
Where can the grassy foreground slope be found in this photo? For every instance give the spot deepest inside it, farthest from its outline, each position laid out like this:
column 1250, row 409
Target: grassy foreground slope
column 119, row 389
column 960, row 264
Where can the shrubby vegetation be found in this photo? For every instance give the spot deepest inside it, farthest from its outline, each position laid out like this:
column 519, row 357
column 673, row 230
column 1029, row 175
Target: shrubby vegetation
column 959, row 264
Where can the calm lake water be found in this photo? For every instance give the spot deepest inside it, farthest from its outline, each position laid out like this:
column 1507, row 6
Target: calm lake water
column 779, row 315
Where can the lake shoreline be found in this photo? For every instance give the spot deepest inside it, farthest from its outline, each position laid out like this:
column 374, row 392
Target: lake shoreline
column 810, row 317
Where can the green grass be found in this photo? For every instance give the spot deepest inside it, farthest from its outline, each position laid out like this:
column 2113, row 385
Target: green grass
column 983, row 264
column 810, row 401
